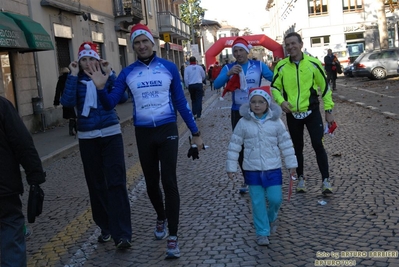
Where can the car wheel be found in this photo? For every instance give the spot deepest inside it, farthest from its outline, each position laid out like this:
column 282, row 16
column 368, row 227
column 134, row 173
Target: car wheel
column 379, row 73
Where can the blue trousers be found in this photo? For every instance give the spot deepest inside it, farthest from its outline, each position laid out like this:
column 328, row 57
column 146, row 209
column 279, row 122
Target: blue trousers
column 196, row 95
column 266, row 203
column 12, row 239
column 105, row 172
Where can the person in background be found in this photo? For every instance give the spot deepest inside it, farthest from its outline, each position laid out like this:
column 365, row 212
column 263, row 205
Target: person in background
column 67, row 113
column 265, row 139
column 16, row 148
column 204, row 80
column 156, row 131
column 330, row 61
column 182, row 67
column 101, row 147
column 215, row 73
column 193, row 77
column 210, row 78
column 296, row 82
column 253, row 70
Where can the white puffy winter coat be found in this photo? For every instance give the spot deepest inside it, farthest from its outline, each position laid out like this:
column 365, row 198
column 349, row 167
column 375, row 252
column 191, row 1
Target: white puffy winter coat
column 264, row 142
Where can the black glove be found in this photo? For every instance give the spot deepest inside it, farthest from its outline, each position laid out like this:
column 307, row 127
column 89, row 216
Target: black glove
column 193, row 152
column 35, row 202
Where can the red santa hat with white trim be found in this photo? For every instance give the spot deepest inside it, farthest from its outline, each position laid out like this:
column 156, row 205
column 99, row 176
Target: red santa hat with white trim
column 263, row 91
column 241, row 42
column 140, row 29
column 88, row 49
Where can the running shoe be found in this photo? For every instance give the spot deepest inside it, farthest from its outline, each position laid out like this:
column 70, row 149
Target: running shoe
column 161, row 229
column 172, row 251
column 301, row 187
column 327, row 189
column 103, row 238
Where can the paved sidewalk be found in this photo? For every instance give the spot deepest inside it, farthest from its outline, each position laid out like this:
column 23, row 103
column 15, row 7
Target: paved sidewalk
column 216, row 223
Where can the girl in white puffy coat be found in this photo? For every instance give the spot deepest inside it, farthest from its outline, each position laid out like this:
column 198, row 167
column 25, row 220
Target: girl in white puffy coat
column 265, row 139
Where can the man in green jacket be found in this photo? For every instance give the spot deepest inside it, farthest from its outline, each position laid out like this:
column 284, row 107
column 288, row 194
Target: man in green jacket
column 295, row 88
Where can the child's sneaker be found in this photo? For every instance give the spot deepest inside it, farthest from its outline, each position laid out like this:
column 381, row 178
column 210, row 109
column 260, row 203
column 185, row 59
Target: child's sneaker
column 262, row 240
column 273, row 226
column 161, row 230
column 244, row 189
column 172, row 251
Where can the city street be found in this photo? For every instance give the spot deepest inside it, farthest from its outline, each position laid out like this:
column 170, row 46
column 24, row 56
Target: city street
column 380, row 95
column 216, row 229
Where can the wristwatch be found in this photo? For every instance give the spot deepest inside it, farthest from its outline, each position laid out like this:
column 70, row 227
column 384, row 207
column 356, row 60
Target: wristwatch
column 196, row 134
column 329, row 111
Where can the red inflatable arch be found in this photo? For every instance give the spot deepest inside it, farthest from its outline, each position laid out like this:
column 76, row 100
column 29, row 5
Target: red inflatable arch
column 259, row 39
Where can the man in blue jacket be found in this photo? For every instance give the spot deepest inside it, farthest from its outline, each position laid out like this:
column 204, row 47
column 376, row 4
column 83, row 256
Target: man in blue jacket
column 157, row 93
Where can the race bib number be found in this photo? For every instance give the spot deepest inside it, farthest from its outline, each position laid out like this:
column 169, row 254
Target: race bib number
column 301, row 115
column 240, row 97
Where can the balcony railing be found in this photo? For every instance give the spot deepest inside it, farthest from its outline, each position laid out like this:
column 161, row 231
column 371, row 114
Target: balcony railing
column 169, row 23
column 129, row 8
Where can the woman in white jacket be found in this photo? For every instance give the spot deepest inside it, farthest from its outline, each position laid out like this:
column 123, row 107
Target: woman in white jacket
column 265, row 139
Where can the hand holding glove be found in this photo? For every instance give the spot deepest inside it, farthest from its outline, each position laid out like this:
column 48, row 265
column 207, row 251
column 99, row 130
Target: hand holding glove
column 195, row 143
column 193, row 152
column 35, row 202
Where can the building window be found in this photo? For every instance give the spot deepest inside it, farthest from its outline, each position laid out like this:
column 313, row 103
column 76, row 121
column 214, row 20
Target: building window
column 320, row 41
column 352, row 5
column 317, row 7
column 391, row 38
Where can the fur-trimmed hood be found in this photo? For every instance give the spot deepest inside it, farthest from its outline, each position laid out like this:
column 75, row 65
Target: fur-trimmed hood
column 273, row 113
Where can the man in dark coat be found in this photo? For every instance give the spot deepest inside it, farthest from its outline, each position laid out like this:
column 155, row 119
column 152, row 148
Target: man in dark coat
column 67, row 112
column 16, row 148
column 330, row 64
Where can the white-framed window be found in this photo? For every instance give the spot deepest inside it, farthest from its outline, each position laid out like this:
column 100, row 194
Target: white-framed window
column 352, row 5
column 318, row 7
column 320, row 41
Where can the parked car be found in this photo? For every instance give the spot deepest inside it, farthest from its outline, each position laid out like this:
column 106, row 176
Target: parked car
column 377, row 65
column 348, row 70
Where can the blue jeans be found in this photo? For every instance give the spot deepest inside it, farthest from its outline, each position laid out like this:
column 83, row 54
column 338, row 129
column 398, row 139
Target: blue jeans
column 12, row 239
column 105, row 172
column 196, row 95
column 264, row 213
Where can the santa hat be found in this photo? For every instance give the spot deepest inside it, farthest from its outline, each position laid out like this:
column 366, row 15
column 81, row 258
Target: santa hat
column 241, row 42
column 263, row 91
column 236, row 81
column 88, row 49
column 140, row 29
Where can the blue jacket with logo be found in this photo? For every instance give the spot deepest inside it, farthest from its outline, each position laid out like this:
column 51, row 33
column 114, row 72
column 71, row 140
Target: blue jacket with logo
column 157, row 91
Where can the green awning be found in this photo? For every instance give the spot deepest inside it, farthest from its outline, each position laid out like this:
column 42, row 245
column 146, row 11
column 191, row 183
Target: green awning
column 36, row 36
column 11, row 36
